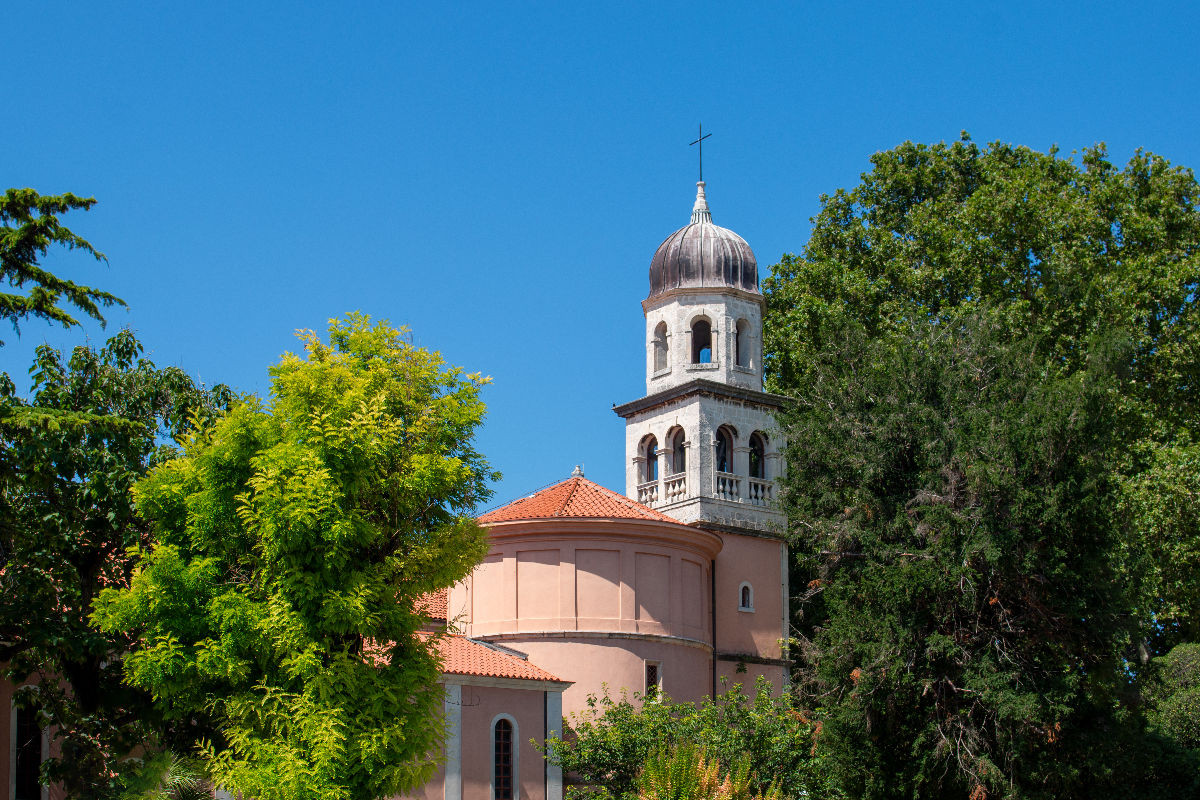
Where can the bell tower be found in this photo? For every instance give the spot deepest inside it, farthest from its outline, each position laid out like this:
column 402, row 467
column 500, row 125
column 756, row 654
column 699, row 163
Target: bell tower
column 702, row 445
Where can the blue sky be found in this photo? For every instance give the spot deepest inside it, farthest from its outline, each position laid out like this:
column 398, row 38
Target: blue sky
column 497, row 176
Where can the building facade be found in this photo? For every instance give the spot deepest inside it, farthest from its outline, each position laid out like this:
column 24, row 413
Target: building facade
column 681, row 584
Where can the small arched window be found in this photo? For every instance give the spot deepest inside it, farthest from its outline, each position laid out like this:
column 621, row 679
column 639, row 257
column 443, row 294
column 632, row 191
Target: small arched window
column 504, row 762
column 660, row 347
column 678, row 452
column 758, row 453
column 649, row 459
column 742, row 344
column 724, row 450
column 745, row 597
column 701, row 342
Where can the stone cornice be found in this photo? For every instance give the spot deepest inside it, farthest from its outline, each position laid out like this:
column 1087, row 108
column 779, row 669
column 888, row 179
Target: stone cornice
column 703, row 387
column 727, row 291
column 718, row 528
column 683, row 641
column 642, row 531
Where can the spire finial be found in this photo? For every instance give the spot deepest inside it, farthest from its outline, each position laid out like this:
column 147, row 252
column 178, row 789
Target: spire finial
column 700, row 212
column 577, row 472
column 700, row 141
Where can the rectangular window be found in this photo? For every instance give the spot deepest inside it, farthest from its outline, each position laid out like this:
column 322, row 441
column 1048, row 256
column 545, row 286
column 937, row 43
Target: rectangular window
column 653, row 679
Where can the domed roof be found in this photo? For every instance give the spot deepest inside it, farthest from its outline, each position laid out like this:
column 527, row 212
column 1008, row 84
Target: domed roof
column 703, row 255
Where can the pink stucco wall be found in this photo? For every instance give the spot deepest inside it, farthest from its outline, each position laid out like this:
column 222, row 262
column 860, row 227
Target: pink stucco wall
column 480, row 706
column 592, row 601
column 558, row 575
column 55, row 791
column 728, row 674
column 759, row 562
column 619, row 664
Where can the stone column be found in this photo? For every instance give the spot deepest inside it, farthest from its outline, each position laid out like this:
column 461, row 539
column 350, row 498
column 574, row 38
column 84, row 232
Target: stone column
column 554, row 716
column 773, row 466
column 453, row 782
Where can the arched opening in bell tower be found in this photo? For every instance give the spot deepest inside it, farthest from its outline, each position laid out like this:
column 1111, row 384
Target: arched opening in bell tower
column 758, row 456
column 649, row 454
column 724, row 450
column 702, row 342
column 660, row 347
column 678, row 452
column 742, row 344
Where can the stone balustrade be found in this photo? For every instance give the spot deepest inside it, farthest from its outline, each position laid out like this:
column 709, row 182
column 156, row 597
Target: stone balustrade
column 762, row 492
column 675, row 487
column 728, row 487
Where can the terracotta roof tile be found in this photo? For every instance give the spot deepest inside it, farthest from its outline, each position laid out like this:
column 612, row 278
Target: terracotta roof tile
column 574, row 497
column 463, row 656
column 433, row 605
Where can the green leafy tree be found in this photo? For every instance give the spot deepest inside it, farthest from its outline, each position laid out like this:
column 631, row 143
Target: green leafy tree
column 29, row 226
column 1061, row 252
column 1173, row 695
column 275, row 600
column 1163, row 501
column 607, row 747
column 91, row 426
column 964, row 614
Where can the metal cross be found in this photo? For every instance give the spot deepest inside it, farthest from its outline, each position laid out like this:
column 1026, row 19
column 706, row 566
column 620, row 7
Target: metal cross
column 700, row 141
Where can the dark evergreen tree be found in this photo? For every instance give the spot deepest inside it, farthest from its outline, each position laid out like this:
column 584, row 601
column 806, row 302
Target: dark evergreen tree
column 28, row 227
column 995, row 354
column 963, row 617
column 92, row 425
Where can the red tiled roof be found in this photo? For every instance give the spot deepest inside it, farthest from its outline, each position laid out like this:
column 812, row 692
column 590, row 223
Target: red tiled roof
column 433, row 605
column 574, row 497
column 463, row 656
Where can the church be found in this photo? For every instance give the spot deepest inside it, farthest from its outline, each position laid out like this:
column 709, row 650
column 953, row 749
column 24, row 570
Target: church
column 678, row 586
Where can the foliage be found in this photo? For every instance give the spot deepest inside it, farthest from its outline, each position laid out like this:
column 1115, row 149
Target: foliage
column 28, row 227
column 92, row 425
column 1163, row 499
column 168, row 776
column 1052, row 248
column 1173, row 695
column 290, row 541
column 607, row 746
column 992, row 471
column 686, row 772
column 1064, row 253
column 957, row 544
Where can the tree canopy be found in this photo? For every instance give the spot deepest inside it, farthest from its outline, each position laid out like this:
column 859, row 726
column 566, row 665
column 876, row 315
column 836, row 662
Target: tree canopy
column 275, row 600
column 1056, row 248
column 1173, row 694
column 29, row 226
column 608, row 746
column 993, row 355
column 92, row 425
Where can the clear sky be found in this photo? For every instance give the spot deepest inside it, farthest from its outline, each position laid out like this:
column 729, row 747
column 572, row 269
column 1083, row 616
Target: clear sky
column 497, row 175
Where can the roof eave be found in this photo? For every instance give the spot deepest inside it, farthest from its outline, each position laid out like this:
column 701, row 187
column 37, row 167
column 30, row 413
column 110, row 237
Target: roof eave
column 699, row 386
